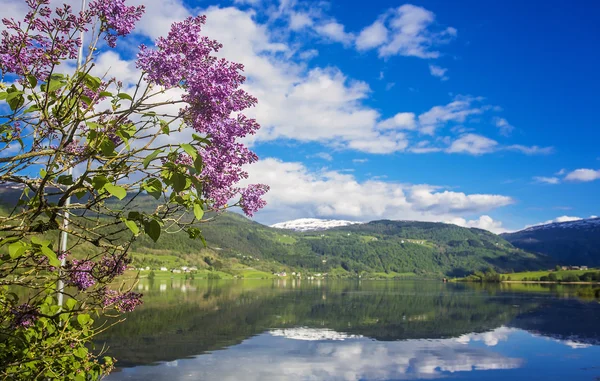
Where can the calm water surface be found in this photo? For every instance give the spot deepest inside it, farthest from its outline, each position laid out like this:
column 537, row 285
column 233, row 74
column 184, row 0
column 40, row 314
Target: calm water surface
column 369, row 330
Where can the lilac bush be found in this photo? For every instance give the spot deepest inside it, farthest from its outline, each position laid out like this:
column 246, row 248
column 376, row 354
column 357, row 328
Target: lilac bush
column 83, row 149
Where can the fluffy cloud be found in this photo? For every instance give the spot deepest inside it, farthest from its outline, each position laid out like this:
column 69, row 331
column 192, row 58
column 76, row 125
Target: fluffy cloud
column 297, row 192
column 583, row 175
column 438, row 71
column 455, row 111
column 408, row 30
column 372, row 36
column 473, row 144
column 334, row 31
column 483, row 222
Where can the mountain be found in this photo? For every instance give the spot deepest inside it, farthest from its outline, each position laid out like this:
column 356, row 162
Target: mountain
column 308, row 224
column 389, row 248
column 568, row 243
column 236, row 244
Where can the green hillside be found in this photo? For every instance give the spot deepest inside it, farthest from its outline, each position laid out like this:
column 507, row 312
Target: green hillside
column 389, row 247
column 239, row 246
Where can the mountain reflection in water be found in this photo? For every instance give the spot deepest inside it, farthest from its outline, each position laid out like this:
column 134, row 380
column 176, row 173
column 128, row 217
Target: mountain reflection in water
column 263, row 330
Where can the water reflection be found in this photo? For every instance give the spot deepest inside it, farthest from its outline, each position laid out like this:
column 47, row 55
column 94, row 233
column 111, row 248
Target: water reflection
column 353, row 331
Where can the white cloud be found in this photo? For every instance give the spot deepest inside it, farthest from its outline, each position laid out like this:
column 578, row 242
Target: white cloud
column 504, row 127
column 372, row 36
column 473, row 144
column 455, row 111
column 583, row 175
column 300, row 20
column 410, row 33
column 561, row 172
column 546, row 180
column 334, row 31
column 360, row 160
column 297, row 192
column 402, row 121
column 483, row 222
column 438, row 71
column 307, row 105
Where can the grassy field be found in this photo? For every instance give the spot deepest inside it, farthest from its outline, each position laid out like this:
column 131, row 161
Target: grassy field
column 538, row 274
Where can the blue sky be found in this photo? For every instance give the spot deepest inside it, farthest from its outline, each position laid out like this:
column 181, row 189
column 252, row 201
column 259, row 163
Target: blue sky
column 477, row 113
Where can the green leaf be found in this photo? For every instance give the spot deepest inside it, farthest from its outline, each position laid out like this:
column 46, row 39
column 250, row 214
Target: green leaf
column 152, row 228
column 178, row 181
column 132, row 226
column 43, row 173
column 93, row 125
column 80, row 352
column 153, row 187
column 38, row 241
column 151, row 157
column 81, row 193
column 98, row 182
column 84, row 319
column 198, row 212
column 134, row 216
column 54, row 85
column 190, row 150
column 125, row 96
column 13, row 94
column 16, row 249
column 51, row 255
column 105, row 94
column 71, row 303
column 33, row 108
column 65, row 179
column 107, row 147
column 115, row 190
column 32, row 81
column 198, row 164
column 3, row 95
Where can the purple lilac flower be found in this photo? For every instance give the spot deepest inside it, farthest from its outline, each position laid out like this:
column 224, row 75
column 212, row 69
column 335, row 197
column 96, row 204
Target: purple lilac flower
column 24, row 316
column 118, row 20
column 80, row 274
column 251, row 200
column 185, row 59
column 112, row 265
column 122, row 302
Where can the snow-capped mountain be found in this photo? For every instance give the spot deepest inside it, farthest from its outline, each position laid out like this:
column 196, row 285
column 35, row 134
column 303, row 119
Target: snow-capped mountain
column 575, row 243
column 307, row 224
column 583, row 224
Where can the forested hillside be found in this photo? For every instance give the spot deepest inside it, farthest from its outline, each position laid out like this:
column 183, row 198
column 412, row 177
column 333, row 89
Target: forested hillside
column 387, row 248
column 379, row 246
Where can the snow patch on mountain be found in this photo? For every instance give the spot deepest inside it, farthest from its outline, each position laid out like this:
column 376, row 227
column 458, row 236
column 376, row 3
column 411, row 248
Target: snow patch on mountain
column 584, row 224
column 307, row 224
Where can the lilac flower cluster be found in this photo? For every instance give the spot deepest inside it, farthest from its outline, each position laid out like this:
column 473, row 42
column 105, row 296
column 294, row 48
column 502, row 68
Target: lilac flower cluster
column 80, row 274
column 122, row 302
column 112, row 265
column 185, row 59
column 51, row 37
column 47, row 39
column 24, row 316
column 117, row 18
column 251, row 200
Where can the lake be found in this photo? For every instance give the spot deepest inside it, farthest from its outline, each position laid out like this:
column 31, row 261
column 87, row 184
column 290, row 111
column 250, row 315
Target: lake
column 356, row 330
